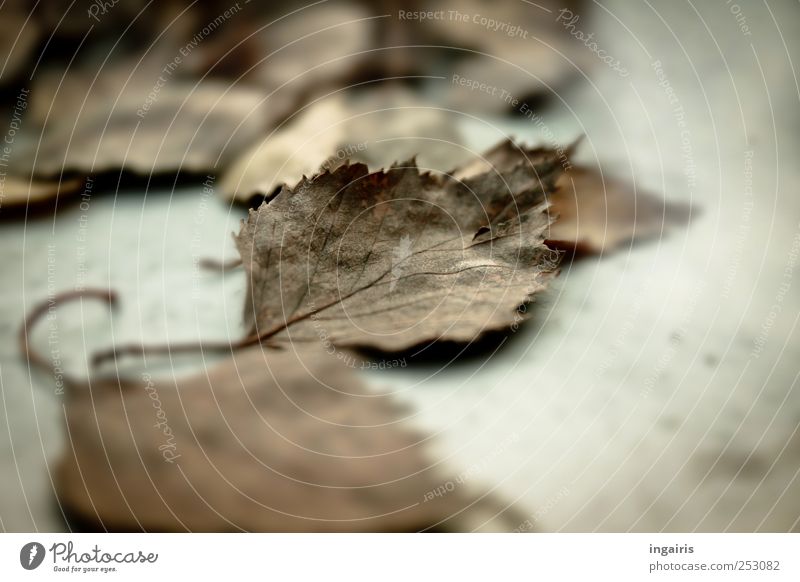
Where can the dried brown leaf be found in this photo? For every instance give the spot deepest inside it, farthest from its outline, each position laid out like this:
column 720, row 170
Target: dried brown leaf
column 596, row 213
column 378, row 129
column 129, row 119
column 291, row 49
column 266, row 441
column 19, row 35
column 276, row 440
column 529, row 53
column 17, row 192
column 395, row 258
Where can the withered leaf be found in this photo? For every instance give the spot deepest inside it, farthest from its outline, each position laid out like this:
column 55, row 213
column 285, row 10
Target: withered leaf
column 147, row 124
column 290, row 48
column 266, row 441
column 19, row 35
column 384, row 125
column 529, row 52
column 597, row 213
column 395, row 258
column 17, row 192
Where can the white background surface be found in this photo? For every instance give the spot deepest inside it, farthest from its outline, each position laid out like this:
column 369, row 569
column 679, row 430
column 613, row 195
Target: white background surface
column 632, row 401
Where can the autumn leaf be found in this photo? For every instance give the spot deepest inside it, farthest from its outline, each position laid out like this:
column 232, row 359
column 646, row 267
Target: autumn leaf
column 394, row 259
column 517, row 50
column 276, row 440
column 161, row 108
column 597, row 213
column 321, row 258
column 292, row 48
column 264, row 442
column 377, row 127
column 18, row 193
column 146, row 127
column 19, row 35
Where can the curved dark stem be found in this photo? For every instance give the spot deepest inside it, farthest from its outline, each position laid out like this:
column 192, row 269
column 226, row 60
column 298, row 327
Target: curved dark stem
column 222, row 346
column 221, row 266
column 34, row 358
column 162, row 349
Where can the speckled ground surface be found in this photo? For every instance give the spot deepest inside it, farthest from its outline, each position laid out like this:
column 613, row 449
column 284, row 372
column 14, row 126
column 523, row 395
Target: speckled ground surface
column 654, row 389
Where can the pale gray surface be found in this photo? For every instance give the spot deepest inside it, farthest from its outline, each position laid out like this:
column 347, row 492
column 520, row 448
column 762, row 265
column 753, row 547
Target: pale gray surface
column 634, row 400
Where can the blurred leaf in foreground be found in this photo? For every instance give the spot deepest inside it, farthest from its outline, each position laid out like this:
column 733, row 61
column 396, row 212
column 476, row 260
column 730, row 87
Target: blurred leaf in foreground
column 275, row 440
